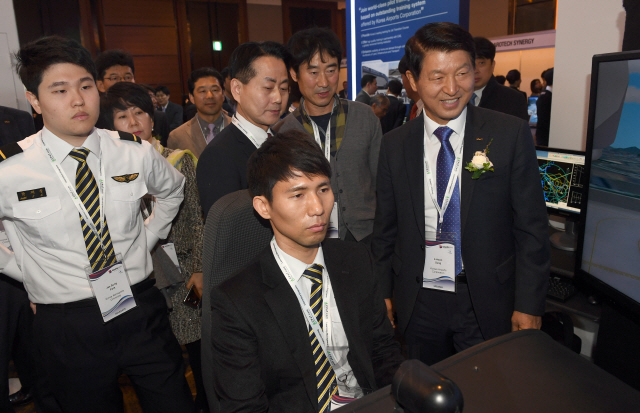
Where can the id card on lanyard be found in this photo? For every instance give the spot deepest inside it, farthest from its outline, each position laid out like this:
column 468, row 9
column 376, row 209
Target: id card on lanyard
column 114, row 274
column 248, row 134
column 332, row 232
column 322, row 335
column 112, row 289
column 439, row 262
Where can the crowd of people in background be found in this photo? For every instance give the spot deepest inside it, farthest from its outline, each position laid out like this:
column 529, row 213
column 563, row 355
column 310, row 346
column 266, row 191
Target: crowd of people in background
column 315, row 162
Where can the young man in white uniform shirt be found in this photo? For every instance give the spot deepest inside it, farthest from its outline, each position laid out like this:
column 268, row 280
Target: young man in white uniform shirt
column 61, row 191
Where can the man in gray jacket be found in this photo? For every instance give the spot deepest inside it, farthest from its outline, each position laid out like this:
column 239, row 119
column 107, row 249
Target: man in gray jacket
column 348, row 132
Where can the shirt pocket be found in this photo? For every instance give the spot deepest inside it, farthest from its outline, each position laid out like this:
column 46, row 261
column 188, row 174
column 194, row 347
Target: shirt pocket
column 42, row 219
column 126, row 199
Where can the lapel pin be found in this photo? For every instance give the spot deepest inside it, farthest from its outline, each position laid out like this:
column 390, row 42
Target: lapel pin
column 478, row 139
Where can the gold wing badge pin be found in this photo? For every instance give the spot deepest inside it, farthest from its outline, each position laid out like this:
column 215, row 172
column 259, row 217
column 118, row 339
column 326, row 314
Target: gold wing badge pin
column 126, row 178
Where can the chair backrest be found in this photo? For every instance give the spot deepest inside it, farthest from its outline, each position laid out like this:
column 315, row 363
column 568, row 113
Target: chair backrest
column 234, row 234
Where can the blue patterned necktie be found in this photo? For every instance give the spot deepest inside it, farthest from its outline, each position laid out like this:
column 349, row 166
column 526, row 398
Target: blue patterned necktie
column 89, row 195
column 446, row 160
column 325, row 376
column 474, row 97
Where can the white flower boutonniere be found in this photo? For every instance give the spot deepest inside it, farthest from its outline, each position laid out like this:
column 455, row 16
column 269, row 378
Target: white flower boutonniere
column 480, row 163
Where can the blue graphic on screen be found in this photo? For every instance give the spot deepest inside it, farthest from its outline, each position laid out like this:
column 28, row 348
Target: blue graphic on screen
column 562, row 179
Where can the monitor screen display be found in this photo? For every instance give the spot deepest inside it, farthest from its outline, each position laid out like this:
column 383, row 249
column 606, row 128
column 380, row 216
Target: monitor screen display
column 562, row 176
column 532, row 109
column 611, row 243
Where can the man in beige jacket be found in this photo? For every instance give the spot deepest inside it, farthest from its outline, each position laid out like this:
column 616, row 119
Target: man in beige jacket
column 206, row 91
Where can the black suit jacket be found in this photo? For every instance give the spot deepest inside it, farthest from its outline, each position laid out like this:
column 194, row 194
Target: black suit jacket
column 222, row 166
column 505, row 246
column 504, row 99
column 544, row 118
column 161, row 126
column 395, row 114
column 174, row 115
column 262, row 356
column 15, row 125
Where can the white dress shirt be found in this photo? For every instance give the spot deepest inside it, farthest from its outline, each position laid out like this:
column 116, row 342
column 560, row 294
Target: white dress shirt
column 338, row 343
column 479, row 95
column 50, row 255
column 431, row 149
column 259, row 134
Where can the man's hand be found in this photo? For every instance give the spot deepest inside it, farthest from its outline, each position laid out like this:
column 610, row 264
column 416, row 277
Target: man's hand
column 197, row 281
column 387, row 301
column 33, row 307
column 522, row 321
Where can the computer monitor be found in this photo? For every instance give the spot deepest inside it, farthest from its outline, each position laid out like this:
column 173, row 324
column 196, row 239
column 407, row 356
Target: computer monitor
column 532, row 109
column 563, row 180
column 609, row 246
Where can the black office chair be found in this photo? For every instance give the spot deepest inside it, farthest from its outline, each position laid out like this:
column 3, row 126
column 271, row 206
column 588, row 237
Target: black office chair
column 234, row 234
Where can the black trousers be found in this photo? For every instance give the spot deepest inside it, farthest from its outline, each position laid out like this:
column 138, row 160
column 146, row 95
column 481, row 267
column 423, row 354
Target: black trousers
column 82, row 357
column 441, row 325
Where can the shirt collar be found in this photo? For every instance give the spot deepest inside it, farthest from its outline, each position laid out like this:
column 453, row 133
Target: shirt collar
column 258, row 133
column 217, row 123
column 479, row 94
column 297, row 267
column 456, row 124
column 61, row 149
column 550, row 88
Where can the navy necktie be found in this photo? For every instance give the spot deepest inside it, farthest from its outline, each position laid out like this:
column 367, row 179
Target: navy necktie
column 446, row 160
column 474, row 98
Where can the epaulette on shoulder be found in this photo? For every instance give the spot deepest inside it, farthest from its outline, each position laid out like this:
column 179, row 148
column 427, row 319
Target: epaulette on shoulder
column 7, row 151
column 126, row 136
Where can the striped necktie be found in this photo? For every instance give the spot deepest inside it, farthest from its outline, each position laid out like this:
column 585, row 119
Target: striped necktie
column 87, row 190
column 325, row 375
column 451, row 220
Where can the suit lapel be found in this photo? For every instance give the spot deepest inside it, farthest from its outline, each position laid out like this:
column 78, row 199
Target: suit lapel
column 339, row 271
column 474, row 140
column 197, row 137
column 488, row 91
column 286, row 309
column 414, row 157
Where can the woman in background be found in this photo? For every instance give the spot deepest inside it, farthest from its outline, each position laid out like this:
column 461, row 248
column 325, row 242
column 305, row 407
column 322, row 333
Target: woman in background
column 127, row 107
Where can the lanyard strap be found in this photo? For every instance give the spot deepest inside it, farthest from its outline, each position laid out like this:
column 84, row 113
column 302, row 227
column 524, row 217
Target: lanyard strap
column 200, row 125
column 327, row 139
column 75, row 198
column 323, row 337
column 248, row 134
column 453, row 178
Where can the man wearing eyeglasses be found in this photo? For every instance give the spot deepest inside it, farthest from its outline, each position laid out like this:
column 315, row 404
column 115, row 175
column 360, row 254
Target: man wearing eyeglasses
column 115, row 66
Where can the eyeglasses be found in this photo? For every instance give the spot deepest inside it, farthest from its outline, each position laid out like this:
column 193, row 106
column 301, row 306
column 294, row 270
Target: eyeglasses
column 116, row 78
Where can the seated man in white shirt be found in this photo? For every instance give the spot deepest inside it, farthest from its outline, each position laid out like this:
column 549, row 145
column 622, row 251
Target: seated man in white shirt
column 303, row 322
column 70, row 202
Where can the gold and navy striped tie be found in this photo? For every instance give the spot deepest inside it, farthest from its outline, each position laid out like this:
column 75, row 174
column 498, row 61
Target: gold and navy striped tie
column 87, row 190
column 325, row 375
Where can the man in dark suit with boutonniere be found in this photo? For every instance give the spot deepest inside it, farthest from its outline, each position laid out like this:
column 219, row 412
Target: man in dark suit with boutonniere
column 466, row 259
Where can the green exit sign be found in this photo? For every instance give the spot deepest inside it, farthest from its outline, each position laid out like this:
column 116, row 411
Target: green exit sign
column 217, row 45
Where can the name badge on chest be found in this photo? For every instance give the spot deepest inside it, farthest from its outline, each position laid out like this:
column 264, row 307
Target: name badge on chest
column 439, row 271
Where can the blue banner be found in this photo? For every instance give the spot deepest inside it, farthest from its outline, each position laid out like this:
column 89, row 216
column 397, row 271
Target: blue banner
column 378, row 30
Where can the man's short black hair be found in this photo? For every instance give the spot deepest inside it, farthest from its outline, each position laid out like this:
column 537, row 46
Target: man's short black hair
column 535, row 86
column 403, row 65
column 501, row 79
column 148, row 87
column 225, row 72
column 395, row 86
column 440, row 37
column 163, row 89
column 122, row 96
column 513, row 76
column 485, row 49
column 110, row 58
column 548, row 76
column 242, row 58
column 34, row 58
column 366, row 79
column 303, row 45
column 279, row 156
column 204, row 72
